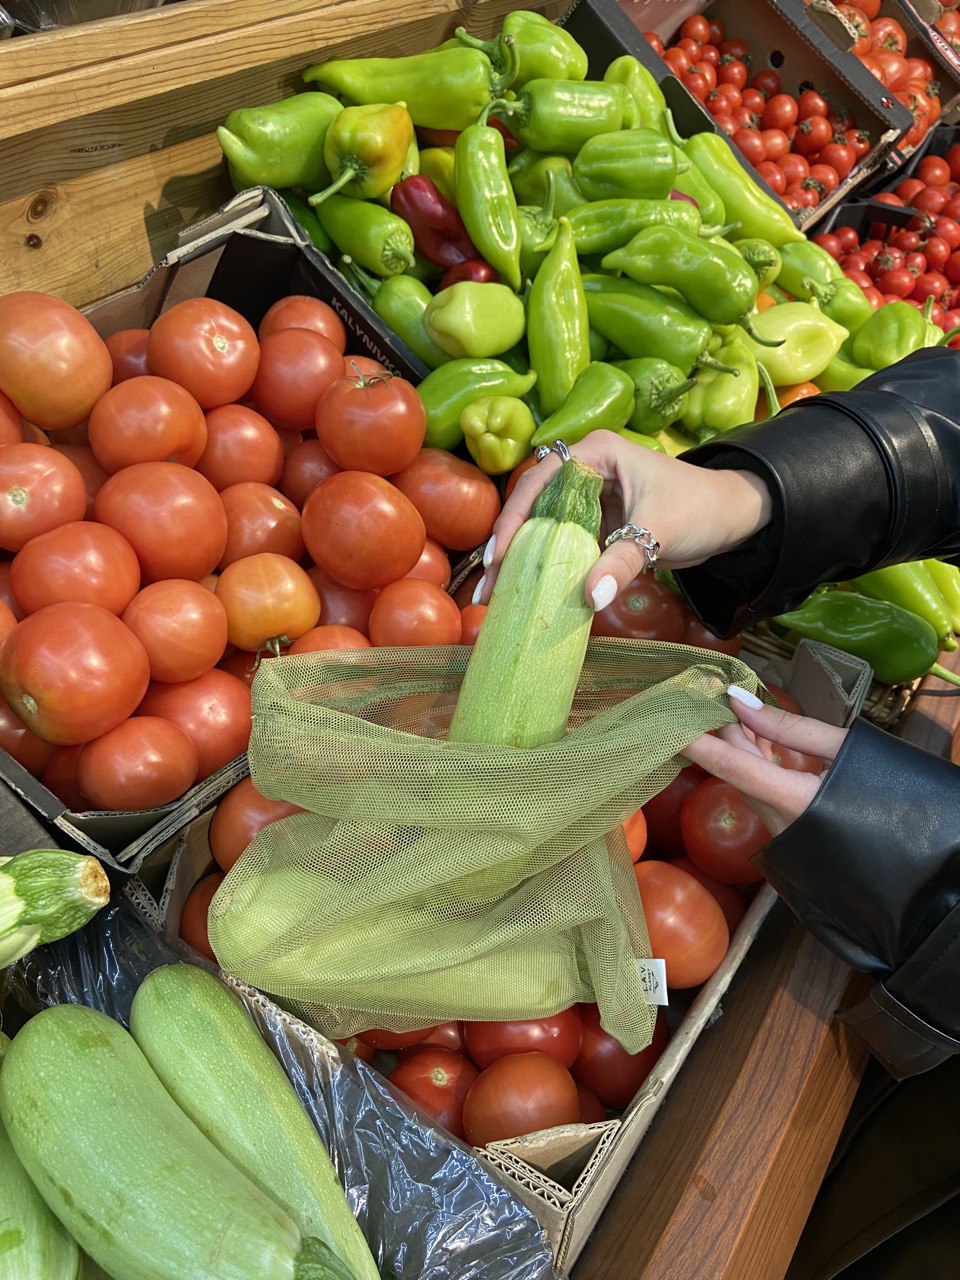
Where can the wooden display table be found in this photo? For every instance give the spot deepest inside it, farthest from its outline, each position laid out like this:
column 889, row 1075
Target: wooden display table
column 724, row 1180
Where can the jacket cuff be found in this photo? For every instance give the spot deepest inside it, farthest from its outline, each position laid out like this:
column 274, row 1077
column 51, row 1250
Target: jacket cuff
column 903, row 1044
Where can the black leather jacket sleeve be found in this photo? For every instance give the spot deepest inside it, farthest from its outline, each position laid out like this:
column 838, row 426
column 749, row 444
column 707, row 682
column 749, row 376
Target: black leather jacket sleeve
column 859, row 480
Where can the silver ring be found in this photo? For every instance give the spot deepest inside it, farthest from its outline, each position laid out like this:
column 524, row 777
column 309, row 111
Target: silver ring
column 642, row 537
column 557, row 447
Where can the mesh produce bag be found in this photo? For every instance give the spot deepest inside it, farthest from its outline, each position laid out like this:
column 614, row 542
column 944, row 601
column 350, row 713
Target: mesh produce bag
column 429, row 881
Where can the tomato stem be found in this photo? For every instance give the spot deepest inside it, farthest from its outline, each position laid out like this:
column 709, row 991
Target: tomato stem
column 364, row 381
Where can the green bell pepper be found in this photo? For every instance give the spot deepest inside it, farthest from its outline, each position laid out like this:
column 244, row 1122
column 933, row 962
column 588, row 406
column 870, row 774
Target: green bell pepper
column 447, row 391
column 660, row 394
column 437, row 163
column 498, row 431
column 475, row 320
column 486, row 201
column 757, row 213
column 544, row 50
column 762, row 258
column 368, row 233
column 647, row 96
column 529, row 172
column 807, row 262
column 808, row 340
column 308, row 220
column 604, row 225
column 842, row 300
column 641, row 321
column 718, row 402
column 841, row 374
column 912, row 587
column 635, row 163
column 442, row 89
column 947, row 579
column 558, row 327
column 538, row 231
column 401, row 303
column 601, row 399
column 900, row 646
column 559, row 116
column 890, row 334
column 365, row 149
column 281, row 144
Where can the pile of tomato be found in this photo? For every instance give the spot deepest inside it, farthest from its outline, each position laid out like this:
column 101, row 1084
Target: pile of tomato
column 948, row 24
column 178, row 504
column 920, row 261
column 801, row 146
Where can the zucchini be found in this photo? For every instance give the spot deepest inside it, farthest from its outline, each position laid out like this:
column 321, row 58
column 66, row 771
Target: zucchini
column 203, row 1045
column 135, row 1182
column 33, row 1244
column 44, row 895
column 522, row 676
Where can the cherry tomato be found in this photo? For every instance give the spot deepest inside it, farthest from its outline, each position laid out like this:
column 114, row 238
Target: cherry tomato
column 731, row 93
column 734, row 48
column 721, row 833
column 710, row 53
column 775, row 143
column 932, row 285
column 171, row 516
column 810, row 103
column 677, row 61
column 375, row 424
column 213, row 711
column 605, row 1068
column 654, row 41
column 437, row 1080
column 414, row 612
column 238, row 817
column 731, row 900
column 72, row 672
column 40, row 490
column 143, row 763
column 433, row 565
column 458, row 502
column 128, row 353
column 644, row 610
column 874, row 297
column 773, row 176
column 696, row 28
column 930, row 200
column 362, row 530
column 859, row 140
column 858, row 277
column 830, row 243
column 341, row 606
column 896, row 280
column 54, row 365
column 767, row 82
column 320, row 639
column 887, row 33
column 905, row 241
column 952, row 269
column 860, row 23
column 685, row 925
column 725, row 121
column 267, row 597
column 953, row 160
column 241, row 445
column 937, row 252
column 690, row 47
column 840, row 157
column 662, row 812
column 635, row 834
column 754, row 101
column 182, row 626
column 934, row 171
column 805, row 196
column 708, row 71
column 559, row 1036
column 824, row 176
column 813, row 134
column 848, row 238
column 697, row 84
column 20, row 742
column 193, row 921
column 298, row 311
column 750, row 144
column 732, row 71
column 392, row 1040
column 779, row 112
column 948, row 230
column 519, row 1094
column 795, row 168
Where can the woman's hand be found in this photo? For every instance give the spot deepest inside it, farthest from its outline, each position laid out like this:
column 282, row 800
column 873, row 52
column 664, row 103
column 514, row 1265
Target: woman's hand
column 741, row 755
column 694, row 513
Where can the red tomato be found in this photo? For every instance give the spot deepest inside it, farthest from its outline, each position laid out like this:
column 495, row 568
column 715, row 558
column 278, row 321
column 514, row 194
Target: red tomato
column 259, row 518
column 269, row 600
column 6, row 591
column 296, row 367
column 795, row 168
column 363, row 530
column 60, row 777
column 171, row 516
column 734, row 48
column 917, row 131
column 241, row 445
column 870, row 8
column 936, row 251
column 696, row 634
column 840, row 157
column 644, row 610
column 371, row 424
column 213, row 711
column 768, row 83
column 358, row 1048
column 953, row 160
column 677, row 61
column 463, row 594
column 696, row 28
column 754, row 101
column 11, row 424
column 859, row 139
column 128, row 353
column 392, row 1040
column 54, row 365
column 519, row 1094
column 932, row 285
column 690, row 47
column 654, row 41
column 433, row 565
column 775, row 143
column 731, row 900
column 750, row 143
column 81, row 561
column 559, row 1036
column 517, row 472
column 725, row 121
column 708, row 71
column 848, row 238
column 888, row 34
column 732, row 94
column 896, row 280
column 40, row 490
column 905, row 241
column 810, row 103
column 305, row 466
column 685, row 925
column 710, row 53
column 804, row 195
column 697, row 84
column 298, row 311
column 208, row 348
column 948, row 229
column 437, row 1080
column 458, row 502
column 471, row 618
column 238, row 817
column 319, row 639
column 182, row 626
column 934, row 171
column 952, row 269
column 146, row 420
column 143, row 763
column 8, row 620
column 72, row 672
column 448, row 1035
column 894, row 66
column 339, row 605
column 858, row 277
column 858, row 20
column 662, row 811
column 635, row 834
column 414, row 612
column 592, row 1110
column 721, row 833
column 193, row 921
column 772, row 175
column 18, row 741
column 90, row 469
column 813, row 134
column 604, row 1066
column 930, row 200
column 830, row 243
column 779, row 112
column 732, row 71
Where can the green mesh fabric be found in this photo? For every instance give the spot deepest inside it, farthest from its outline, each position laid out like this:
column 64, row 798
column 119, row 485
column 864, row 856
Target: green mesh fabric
column 429, row 881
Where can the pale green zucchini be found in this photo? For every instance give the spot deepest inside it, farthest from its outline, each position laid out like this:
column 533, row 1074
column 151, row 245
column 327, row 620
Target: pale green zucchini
column 135, row 1182
column 203, row 1045
column 523, row 673
column 44, row 895
column 33, row 1244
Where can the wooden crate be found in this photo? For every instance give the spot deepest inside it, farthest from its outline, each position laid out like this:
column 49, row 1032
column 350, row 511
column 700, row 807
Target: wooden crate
column 107, row 144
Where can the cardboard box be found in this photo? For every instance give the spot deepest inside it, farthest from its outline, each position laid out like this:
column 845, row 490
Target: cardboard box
column 782, row 36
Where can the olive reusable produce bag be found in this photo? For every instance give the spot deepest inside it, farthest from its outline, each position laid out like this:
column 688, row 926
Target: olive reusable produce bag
column 430, row 881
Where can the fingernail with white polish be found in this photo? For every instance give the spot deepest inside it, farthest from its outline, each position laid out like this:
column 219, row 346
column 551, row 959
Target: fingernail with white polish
column 604, row 592
column 488, row 552
column 741, row 695
column 478, row 591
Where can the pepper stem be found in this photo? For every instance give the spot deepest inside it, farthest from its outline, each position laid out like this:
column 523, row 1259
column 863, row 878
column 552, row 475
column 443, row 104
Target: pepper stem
column 347, row 174
column 662, row 399
column 367, row 283
column 709, row 232
column 950, row 333
column 748, row 328
column 492, row 48
column 670, row 125
column 770, row 391
column 708, row 362
column 502, row 107
column 943, row 674
column 550, row 199
column 822, row 293
column 511, row 68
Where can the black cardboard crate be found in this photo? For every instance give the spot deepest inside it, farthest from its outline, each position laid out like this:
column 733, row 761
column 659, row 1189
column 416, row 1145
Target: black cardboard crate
column 781, row 34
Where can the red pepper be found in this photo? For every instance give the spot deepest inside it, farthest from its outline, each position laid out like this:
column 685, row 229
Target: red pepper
column 438, row 230
column 476, row 270
column 509, row 141
column 448, row 137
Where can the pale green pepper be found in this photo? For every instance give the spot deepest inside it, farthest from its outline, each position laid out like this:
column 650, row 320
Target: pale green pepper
column 720, row 401
column 809, row 341
column 437, row 164
column 498, row 431
column 474, row 320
